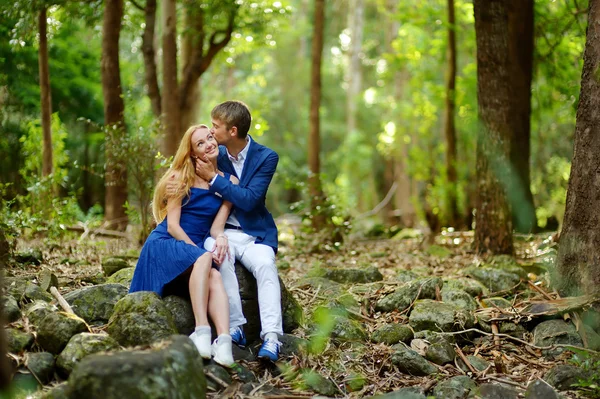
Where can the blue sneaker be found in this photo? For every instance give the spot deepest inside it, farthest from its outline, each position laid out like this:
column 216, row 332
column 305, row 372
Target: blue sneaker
column 237, row 336
column 269, row 350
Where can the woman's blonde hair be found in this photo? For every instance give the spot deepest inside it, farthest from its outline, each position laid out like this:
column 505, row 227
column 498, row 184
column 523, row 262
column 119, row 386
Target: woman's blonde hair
column 182, row 163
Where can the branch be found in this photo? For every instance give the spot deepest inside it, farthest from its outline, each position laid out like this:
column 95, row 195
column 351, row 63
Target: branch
column 136, row 5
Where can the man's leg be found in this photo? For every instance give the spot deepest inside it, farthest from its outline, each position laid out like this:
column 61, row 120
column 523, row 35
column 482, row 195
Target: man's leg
column 227, row 269
column 259, row 259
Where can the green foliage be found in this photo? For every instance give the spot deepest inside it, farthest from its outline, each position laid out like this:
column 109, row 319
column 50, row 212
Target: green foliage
column 589, row 362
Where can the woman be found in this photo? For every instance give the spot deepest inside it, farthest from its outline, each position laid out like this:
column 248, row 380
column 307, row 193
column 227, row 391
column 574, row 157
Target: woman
column 176, row 245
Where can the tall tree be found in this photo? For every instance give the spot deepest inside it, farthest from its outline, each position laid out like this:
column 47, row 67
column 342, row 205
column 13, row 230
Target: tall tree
column 45, row 97
column 314, row 138
column 356, row 12
column 493, row 230
column 520, row 69
column 579, row 252
column 114, row 119
column 170, row 98
column 449, row 125
column 150, row 73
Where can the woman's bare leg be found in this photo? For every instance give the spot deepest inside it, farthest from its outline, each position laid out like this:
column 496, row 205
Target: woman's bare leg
column 218, row 303
column 199, row 282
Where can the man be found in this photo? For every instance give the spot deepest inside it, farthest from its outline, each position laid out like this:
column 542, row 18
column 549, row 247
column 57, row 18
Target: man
column 251, row 230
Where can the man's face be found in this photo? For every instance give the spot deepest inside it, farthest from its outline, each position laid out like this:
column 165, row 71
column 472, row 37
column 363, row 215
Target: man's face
column 220, row 131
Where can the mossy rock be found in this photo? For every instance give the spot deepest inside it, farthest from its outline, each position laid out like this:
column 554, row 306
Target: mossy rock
column 171, row 369
column 291, row 311
column 95, row 304
column 292, row 345
column 553, row 332
column 34, row 292
column 317, row 383
column 15, row 287
column 499, row 391
column 31, row 256
column 458, row 387
column 508, row 263
column 405, row 295
column 57, row 392
column 82, row 345
column 540, row 389
column 496, row 302
column 18, row 341
column 123, row 276
column 441, row 353
column 410, row 362
column 459, row 298
column 494, row 279
column 403, row 393
column 183, row 314
column 36, row 311
column 478, row 363
column 391, row 334
column 141, row 318
column 325, row 286
column 345, row 329
column 42, row 365
column 439, row 316
column 10, row 308
column 564, row 376
column 57, row 328
column 218, row 372
column 469, row 285
column 354, row 276
column 405, row 276
column 113, row 264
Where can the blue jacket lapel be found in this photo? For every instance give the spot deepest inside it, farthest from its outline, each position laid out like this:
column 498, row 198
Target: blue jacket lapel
column 224, row 163
column 253, row 160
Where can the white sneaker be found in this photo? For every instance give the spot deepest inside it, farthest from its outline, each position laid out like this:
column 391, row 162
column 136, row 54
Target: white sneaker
column 202, row 342
column 222, row 351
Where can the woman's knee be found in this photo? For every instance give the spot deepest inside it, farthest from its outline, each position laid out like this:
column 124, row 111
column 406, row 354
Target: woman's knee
column 204, row 262
column 215, row 280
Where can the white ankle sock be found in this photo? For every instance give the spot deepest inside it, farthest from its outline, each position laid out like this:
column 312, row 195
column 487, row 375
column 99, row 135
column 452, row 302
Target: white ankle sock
column 202, row 330
column 271, row 336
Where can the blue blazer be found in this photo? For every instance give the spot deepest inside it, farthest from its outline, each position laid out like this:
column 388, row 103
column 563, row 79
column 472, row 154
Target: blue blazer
column 248, row 197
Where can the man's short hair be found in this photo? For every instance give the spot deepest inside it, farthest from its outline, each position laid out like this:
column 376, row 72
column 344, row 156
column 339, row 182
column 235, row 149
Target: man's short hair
column 233, row 113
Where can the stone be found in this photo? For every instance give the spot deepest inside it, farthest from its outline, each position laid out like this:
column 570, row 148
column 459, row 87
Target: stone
column 23, row 385
column 540, row 389
column 391, row 334
column 439, row 316
column 478, row 364
column 508, row 263
column 492, row 278
column 563, row 376
column 441, row 352
column 354, row 276
column 123, row 276
column 403, row 393
column 18, row 341
column 82, row 345
column 10, row 308
column 433, row 336
column 410, row 362
column 454, row 388
column 57, row 392
column 170, row 369
column 553, row 332
column 243, row 373
column 496, row 302
column 36, row 311
column 345, row 329
column 469, row 285
column 291, row 311
column 42, row 365
column 404, row 276
column 183, row 314
column 47, row 279
column 404, row 296
column 113, row 264
column 95, row 304
column 15, row 287
column 31, row 256
column 261, row 390
column 459, row 298
column 324, row 286
column 56, row 329
column 244, row 354
column 141, row 318
column 213, row 373
column 34, row 292
column 317, row 383
column 497, row 391
column 291, row 345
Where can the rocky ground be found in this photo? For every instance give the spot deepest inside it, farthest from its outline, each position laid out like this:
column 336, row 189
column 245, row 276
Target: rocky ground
column 391, row 318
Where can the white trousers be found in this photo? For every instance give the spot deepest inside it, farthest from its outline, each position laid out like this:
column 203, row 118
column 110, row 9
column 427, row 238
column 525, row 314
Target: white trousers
column 259, row 259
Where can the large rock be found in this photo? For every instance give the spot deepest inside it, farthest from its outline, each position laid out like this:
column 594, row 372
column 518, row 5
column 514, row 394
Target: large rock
column 469, row 285
column 454, row 388
column 391, row 334
column 440, row 352
column 15, row 287
column 56, row 329
column 540, row 389
column 497, row 391
column 42, row 365
column 404, row 296
column 36, row 311
column 34, row 292
column 123, row 276
column 554, row 332
column 317, row 383
column 141, row 318
column 563, row 376
column 459, row 298
column 439, row 316
column 18, row 340
column 476, row 362
column 410, row 362
column 324, row 286
column 10, row 308
column 353, row 276
column 95, row 304
column 171, row 370
column 30, row 256
column 345, row 329
column 493, row 278
column 113, row 264
column 182, row 312
column 403, row 393
column 82, row 345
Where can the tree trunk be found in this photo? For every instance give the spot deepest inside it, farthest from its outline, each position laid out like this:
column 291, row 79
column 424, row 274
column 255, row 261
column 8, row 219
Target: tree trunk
column 45, row 97
column 116, row 167
column 5, row 366
column 449, row 126
column 493, row 231
column 314, row 147
column 150, row 73
column 579, row 251
column 520, row 64
column 355, row 25
column 170, row 97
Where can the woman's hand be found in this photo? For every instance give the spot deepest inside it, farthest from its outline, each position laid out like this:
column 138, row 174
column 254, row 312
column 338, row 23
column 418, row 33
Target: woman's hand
column 220, row 249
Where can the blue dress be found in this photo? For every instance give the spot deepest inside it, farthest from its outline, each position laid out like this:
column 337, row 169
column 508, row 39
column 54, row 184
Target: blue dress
column 163, row 258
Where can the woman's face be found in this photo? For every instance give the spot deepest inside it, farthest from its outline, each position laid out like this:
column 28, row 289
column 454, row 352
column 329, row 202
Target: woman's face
column 204, row 144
